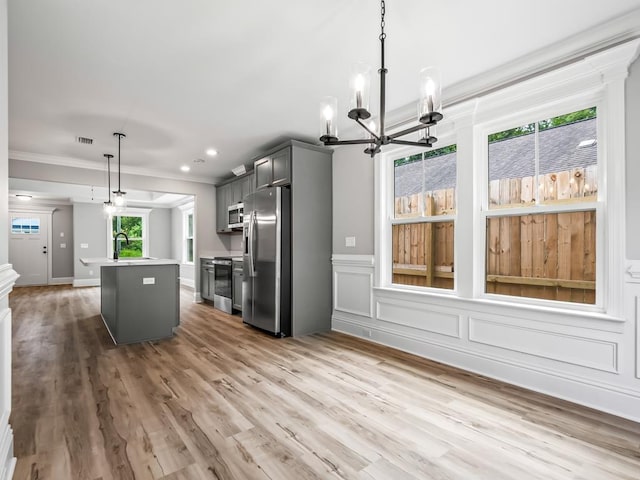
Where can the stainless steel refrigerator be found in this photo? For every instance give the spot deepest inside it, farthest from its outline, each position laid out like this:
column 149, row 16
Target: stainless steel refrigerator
column 266, row 285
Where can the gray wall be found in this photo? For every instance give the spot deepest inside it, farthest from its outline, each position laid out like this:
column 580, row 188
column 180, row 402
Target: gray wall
column 160, row 233
column 353, row 196
column 90, row 228
column 62, row 258
column 633, row 161
column 208, row 242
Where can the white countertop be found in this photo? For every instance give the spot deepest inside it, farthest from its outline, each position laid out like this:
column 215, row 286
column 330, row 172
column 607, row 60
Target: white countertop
column 127, row 261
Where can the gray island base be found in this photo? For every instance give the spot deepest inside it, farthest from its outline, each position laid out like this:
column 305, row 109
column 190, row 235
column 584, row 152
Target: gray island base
column 140, row 302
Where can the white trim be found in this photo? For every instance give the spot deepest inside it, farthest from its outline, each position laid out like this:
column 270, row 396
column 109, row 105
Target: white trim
column 86, row 282
column 594, row 393
column 352, row 260
column 188, row 282
column 91, row 165
column 8, row 277
column 61, row 281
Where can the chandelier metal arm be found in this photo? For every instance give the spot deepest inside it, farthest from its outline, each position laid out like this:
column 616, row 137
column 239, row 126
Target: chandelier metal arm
column 348, row 142
column 376, row 137
column 407, row 131
column 407, row 142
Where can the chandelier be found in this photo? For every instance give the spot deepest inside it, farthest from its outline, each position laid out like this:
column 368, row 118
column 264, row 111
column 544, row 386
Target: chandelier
column 119, row 199
column 429, row 107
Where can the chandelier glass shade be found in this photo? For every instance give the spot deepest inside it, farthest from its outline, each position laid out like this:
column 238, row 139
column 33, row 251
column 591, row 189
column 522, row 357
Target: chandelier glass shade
column 429, row 107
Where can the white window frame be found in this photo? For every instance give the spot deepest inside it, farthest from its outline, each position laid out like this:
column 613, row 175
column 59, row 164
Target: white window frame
column 397, row 154
column 597, row 80
column 185, row 224
column 482, row 133
column 130, row 212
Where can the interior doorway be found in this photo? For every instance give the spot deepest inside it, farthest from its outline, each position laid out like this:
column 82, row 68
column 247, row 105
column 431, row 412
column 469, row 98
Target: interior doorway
column 29, row 246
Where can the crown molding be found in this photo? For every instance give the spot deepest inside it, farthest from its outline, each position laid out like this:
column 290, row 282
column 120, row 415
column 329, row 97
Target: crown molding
column 575, row 48
column 89, row 165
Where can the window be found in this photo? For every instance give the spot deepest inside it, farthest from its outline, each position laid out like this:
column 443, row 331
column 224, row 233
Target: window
column 25, row 225
column 134, row 223
column 541, row 216
column 188, row 234
column 424, row 207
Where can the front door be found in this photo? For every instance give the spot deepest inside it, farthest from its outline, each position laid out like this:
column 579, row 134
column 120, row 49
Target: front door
column 28, row 237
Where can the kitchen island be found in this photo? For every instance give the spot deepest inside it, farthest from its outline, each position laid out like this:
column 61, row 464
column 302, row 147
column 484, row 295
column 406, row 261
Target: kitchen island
column 140, row 298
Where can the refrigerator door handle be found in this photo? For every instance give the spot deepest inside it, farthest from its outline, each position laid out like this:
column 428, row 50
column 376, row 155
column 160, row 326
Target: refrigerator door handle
column 252, row 240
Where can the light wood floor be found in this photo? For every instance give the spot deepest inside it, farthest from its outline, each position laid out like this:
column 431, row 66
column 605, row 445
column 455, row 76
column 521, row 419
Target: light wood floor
column 221, row 400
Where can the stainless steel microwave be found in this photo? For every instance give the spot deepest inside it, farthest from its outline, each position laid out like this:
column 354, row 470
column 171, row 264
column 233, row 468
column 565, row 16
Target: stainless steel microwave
column 235, row 215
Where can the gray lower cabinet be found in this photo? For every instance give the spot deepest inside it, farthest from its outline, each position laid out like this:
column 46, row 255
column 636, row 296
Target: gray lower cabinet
column 207, row 278
column 140, row 302
column 237, row 285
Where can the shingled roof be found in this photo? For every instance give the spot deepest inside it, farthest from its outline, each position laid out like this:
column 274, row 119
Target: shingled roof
column 510, row 158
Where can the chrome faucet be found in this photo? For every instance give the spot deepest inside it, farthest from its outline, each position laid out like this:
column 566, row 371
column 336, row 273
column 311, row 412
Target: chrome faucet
column 115, row 243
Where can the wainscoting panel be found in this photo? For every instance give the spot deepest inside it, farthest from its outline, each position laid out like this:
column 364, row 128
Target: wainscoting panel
column 415, row 315
column 7, row 461
column 352, row 284
column 561, row 347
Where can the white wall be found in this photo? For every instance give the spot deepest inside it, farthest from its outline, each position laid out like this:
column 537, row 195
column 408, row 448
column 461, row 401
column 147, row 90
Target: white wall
column 7, row 275
column 588, row 358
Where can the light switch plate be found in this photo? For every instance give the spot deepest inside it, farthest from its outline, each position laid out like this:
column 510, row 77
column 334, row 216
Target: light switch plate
column 63, row 245
column 62, row 234
column 349, row 241
column 84, row 245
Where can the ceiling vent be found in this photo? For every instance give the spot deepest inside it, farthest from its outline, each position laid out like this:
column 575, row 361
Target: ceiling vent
column 84, row 140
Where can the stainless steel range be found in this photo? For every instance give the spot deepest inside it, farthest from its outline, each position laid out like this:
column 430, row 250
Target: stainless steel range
column 222, row 291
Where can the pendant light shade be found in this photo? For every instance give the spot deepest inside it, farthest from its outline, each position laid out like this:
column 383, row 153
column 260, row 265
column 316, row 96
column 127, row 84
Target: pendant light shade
column 119, row 196
column 108, row 206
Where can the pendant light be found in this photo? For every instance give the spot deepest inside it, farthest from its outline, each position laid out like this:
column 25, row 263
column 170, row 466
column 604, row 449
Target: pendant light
column 429, row 107
column 119, row 199
column 109, row 207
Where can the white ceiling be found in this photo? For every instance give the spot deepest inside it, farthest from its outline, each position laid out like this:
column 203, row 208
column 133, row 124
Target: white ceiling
column 179, row 77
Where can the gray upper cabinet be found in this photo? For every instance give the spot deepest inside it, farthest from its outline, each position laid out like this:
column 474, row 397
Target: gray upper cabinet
column 273, row 170
column 231, row 193
column 222, row 205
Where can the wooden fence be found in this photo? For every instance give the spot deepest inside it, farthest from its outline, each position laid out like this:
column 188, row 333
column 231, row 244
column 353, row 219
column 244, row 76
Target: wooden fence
column 549, row 256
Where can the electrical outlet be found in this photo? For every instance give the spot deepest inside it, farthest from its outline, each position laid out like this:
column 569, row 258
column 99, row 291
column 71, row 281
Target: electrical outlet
column 349, row 241
column 63, row 245
column 84, row 245
column 90, row 272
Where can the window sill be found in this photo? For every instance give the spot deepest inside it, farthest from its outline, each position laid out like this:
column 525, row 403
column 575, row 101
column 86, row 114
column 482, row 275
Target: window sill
column 497, row 306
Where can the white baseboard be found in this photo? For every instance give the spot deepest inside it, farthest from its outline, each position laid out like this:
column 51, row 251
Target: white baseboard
column 188, row 282
column 86, row 282
column 197, row 297
column 61, row 281
column 613, row 399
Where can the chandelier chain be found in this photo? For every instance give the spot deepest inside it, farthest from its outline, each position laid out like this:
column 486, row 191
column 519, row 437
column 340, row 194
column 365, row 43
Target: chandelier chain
column 382, row 12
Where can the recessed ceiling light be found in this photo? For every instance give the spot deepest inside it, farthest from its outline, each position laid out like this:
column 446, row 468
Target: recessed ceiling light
column 24, row 198
column 185, row 168
column 212, row 152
